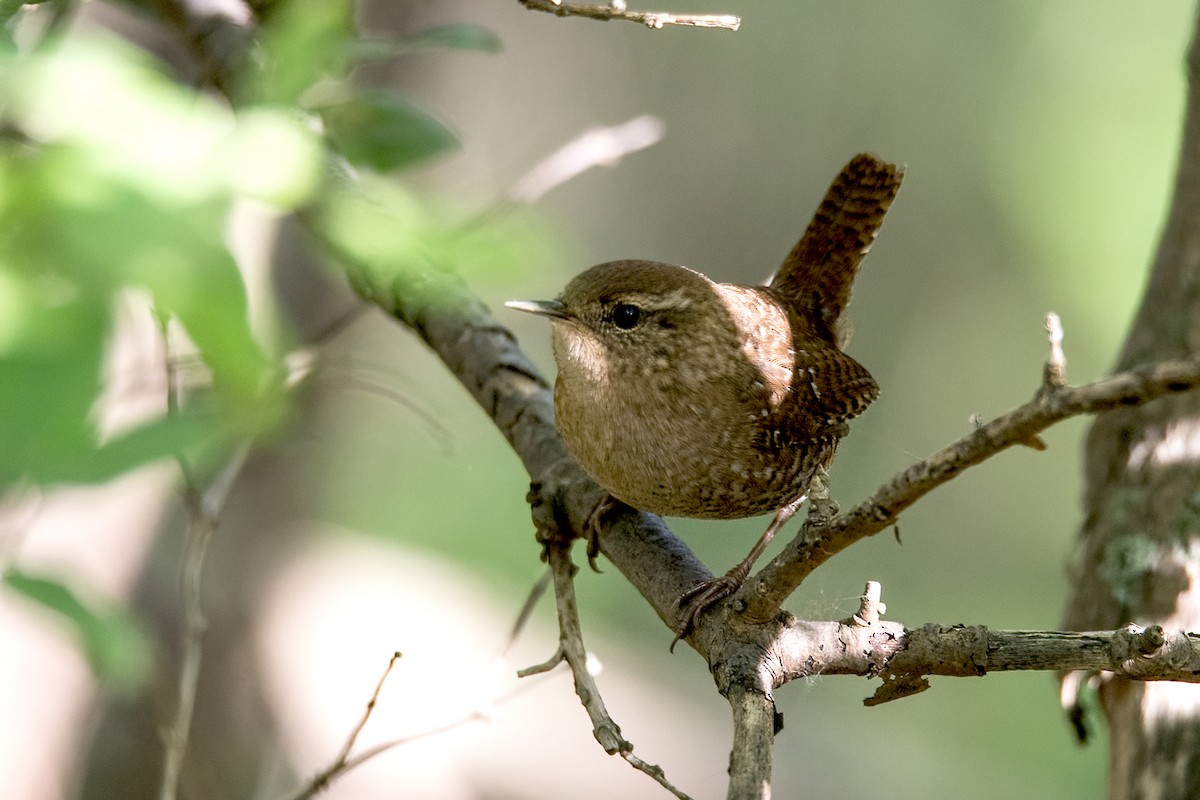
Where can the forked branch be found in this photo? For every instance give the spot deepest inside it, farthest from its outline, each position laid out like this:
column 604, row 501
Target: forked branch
column 1054, row 402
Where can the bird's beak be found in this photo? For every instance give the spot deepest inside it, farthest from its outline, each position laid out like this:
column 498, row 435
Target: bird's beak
column 554, row 309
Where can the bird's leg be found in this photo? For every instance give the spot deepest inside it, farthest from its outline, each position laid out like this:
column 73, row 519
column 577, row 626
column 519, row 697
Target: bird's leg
column 699, row 598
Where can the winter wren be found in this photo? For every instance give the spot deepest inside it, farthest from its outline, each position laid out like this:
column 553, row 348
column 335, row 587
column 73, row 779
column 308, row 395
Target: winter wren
column 690, row 398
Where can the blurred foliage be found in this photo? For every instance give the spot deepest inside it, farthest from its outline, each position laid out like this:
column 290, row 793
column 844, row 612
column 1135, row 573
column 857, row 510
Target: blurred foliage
column 115, row 177
column 303, row 42
column 115, row 644
column 383, row 131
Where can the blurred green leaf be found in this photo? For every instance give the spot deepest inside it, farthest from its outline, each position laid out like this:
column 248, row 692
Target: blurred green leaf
column 49, row 377
column 449, row 37
column 383, row 131
column 303, row 42
column 127, row 183
column 380, row 226
column 273, row 157
column 115, row 646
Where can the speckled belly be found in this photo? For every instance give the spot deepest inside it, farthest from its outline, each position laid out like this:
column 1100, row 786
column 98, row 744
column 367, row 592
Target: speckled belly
column 708, row 475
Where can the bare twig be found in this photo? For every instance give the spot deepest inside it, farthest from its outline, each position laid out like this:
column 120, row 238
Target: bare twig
column 572, row 650
column 342, row 766
column 344, row 762
column 550, row 663
column 604, row 728
column 819, row 541
column 654, row 20
column 891, row 650
column 204, row 509
column 321, row 780
column 348, row 378
column 595, row 147
column 535, row 593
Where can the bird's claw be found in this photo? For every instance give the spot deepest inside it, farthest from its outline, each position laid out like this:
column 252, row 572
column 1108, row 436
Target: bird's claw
column 700, row 598
column 607, row 504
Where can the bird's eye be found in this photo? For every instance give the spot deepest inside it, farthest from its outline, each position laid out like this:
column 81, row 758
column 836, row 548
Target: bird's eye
column 626, row 315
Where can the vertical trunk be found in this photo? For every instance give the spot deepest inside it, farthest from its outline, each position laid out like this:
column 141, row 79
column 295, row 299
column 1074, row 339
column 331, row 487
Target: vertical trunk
column 1138, row 556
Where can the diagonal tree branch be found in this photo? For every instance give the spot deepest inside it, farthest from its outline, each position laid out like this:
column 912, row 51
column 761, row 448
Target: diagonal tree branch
column 1053, row 403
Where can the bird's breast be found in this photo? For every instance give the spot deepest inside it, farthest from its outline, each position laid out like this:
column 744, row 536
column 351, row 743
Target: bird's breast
column 717, row 453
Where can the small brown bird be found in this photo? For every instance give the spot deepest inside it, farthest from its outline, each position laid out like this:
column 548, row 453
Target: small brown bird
column 690, row 398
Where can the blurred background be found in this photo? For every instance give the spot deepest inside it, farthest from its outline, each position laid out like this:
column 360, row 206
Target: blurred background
column 1039, row 140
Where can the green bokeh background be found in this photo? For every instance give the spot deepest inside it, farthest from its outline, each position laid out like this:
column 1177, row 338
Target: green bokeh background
column 1039, row 140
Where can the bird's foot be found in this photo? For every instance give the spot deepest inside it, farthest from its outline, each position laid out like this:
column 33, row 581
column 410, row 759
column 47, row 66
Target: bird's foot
column 592, row 531
column 552, row 518
column 700, row 598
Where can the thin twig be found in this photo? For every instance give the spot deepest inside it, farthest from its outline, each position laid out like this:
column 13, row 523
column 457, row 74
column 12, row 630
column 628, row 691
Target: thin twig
column 348, row 379
column 1134, row 652
column 340, row 767
column 545, row 666
column 321, row 780
column 595, row 147
column 572, row 650
column 655, row 20
column 535, row 594
column 203, row 510
column 199, row 532
column 904, row 656
column 344, row 755
column 344, row 762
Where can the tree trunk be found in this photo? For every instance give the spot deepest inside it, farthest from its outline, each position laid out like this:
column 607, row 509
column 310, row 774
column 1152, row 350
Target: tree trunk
column 1138, row 556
